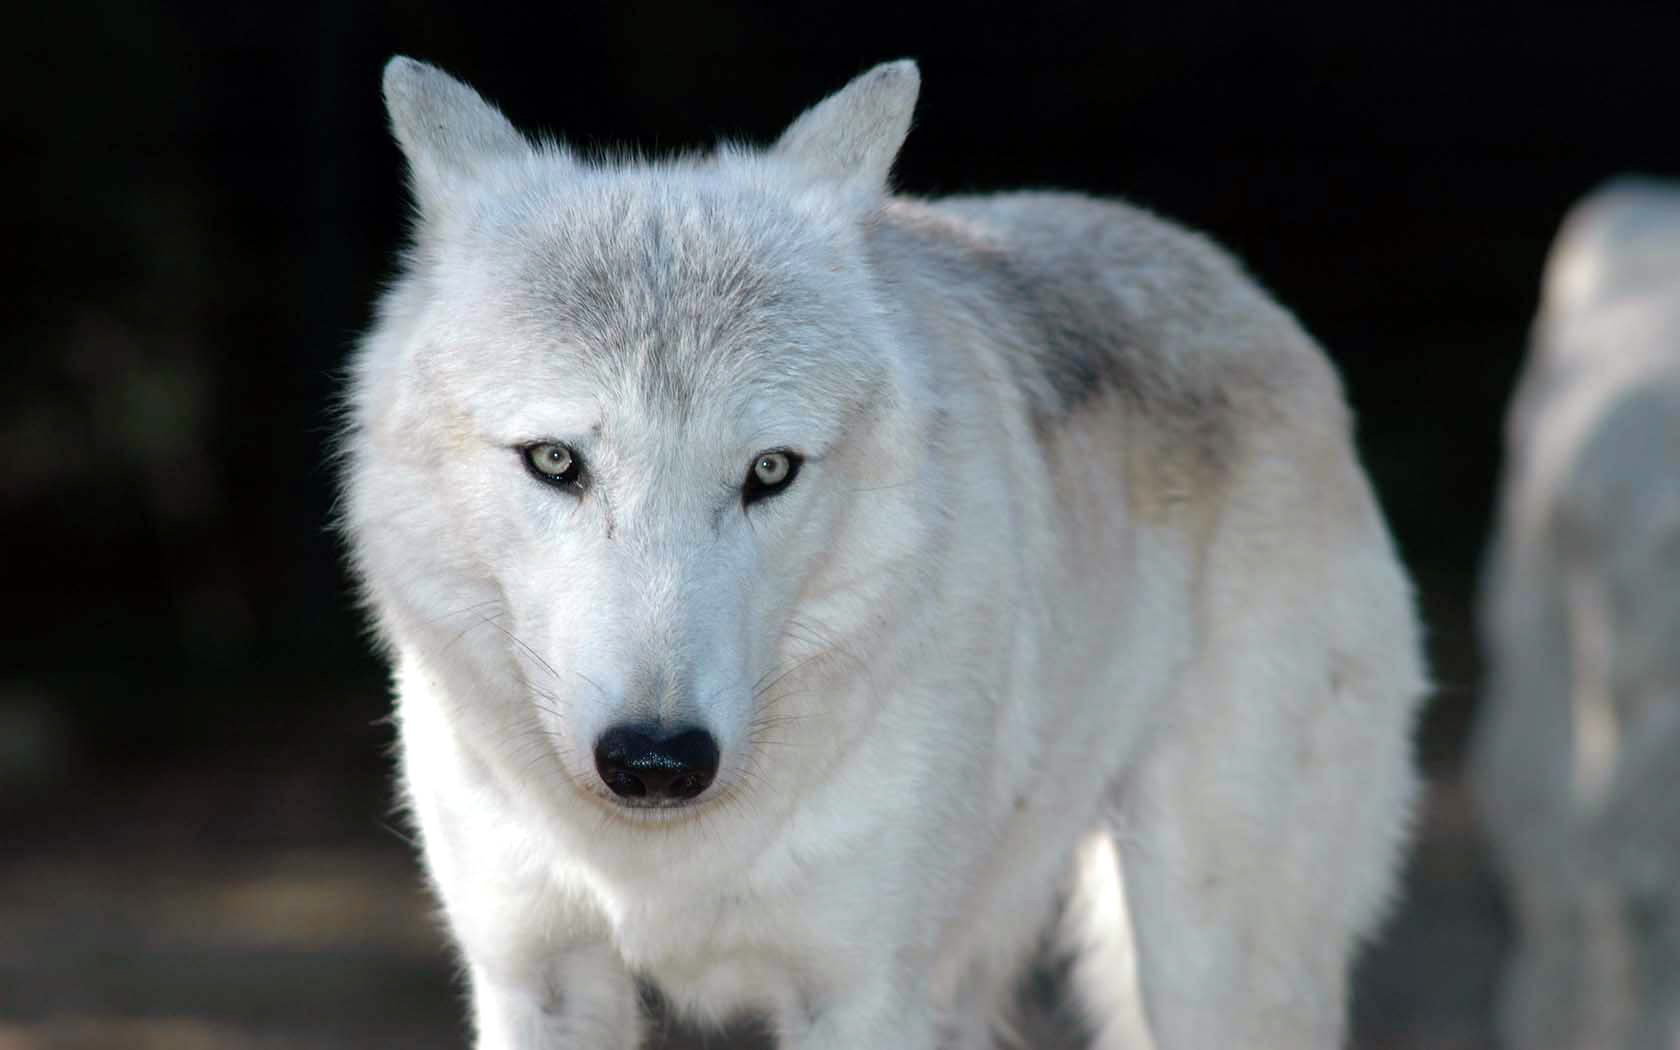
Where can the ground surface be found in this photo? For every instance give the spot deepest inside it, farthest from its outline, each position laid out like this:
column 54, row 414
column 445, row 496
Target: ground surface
column 260, row 897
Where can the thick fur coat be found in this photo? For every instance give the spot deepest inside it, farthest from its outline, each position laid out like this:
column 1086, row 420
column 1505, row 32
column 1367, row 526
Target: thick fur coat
column 1577, row 752
column 1077, row 621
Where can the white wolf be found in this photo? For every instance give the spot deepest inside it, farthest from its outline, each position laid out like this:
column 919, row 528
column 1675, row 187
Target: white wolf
column 804, row 599
column 1578, row 751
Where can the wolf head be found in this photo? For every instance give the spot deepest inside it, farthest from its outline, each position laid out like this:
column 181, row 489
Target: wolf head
column 628, row 441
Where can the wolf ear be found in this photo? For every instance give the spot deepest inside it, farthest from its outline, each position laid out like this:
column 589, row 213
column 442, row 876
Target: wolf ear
column 853, row 135
column 446, row 130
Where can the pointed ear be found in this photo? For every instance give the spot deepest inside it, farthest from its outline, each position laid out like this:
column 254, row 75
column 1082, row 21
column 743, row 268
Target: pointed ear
column 854, row 135
column 445, row 129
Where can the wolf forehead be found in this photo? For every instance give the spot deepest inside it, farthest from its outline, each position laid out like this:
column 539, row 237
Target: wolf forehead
column 676, row 278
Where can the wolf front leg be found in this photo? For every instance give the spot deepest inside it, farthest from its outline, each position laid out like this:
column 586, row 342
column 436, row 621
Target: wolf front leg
column 582, row 1000
column 544, row 974
column 1259, row 841
column 885, row 1014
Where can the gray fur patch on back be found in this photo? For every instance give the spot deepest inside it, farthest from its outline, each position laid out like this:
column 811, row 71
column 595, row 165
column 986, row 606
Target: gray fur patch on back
column 1087, row 298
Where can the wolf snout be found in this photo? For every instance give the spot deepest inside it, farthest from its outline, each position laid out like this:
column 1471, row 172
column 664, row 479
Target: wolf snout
column 638, row 762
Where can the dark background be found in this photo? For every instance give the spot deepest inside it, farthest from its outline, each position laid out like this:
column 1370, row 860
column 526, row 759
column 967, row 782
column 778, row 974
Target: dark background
column 201, row 202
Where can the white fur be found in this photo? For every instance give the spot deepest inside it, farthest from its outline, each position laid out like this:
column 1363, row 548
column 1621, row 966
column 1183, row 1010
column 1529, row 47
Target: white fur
column 1080, row 597
column 1578, row 750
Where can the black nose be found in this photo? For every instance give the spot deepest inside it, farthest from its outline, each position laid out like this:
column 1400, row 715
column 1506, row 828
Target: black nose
column 638, row 764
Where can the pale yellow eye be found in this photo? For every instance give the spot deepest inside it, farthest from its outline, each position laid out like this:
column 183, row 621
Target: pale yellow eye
column 772, row 468
column 551, row 459
column 770, row 473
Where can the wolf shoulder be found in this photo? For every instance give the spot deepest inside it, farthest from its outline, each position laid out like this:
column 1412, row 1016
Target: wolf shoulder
column 1099, row 306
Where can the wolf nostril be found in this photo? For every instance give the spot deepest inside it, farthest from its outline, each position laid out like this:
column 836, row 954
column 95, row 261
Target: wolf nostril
column 634, row 763
column 625, row 785
column 686, row 786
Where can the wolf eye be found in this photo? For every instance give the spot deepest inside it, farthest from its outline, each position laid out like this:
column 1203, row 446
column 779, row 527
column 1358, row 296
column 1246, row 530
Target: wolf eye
column 771, row 473
column 554, row 463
